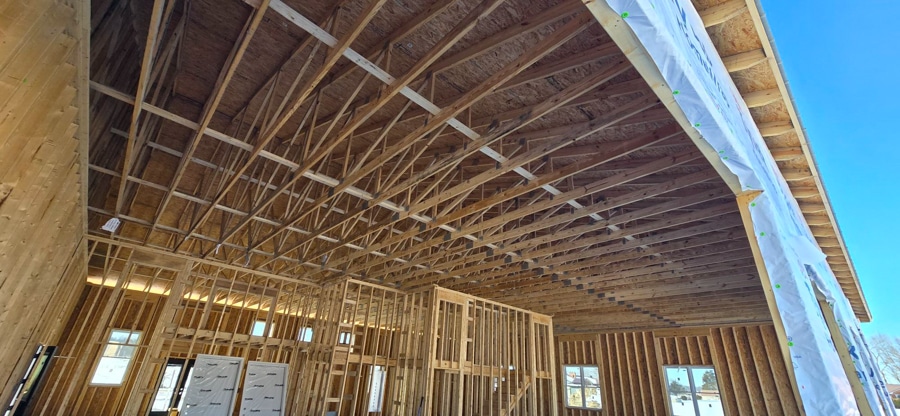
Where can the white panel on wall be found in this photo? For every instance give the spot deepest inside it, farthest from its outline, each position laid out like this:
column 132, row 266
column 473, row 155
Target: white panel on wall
column 213, row 386
column 264, row 389
column 376, row 389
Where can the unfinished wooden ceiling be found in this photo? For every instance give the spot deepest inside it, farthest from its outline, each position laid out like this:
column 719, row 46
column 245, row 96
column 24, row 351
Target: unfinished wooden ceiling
column 506, row 149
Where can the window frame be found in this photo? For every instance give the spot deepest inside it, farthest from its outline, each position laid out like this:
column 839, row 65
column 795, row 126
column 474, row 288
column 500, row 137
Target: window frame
column 565, row 386
column 692, row 385
column 136, row 345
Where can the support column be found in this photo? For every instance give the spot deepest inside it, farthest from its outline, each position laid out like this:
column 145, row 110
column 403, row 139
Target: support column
column 743, row 200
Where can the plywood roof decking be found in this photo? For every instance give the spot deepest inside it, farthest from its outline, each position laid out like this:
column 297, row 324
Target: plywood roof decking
column 587, row 201
column 739, row 33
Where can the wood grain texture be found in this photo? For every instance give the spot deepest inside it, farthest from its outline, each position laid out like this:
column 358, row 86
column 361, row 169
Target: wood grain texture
column 751, row 373
column 42, row 252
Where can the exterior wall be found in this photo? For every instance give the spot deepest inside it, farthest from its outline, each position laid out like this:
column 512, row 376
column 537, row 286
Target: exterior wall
column 752, row 376
column 42, row 252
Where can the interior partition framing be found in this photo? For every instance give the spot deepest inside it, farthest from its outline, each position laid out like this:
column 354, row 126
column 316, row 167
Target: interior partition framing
column 433, row 351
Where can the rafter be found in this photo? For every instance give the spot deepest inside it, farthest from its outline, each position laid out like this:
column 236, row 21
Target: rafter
column 548, row 222
column 609, row 153
column 338, row 47
column 212, row 103
column 545, row 46
column 387, row 93
column 529, row 114
column 515, row 250
column 155, row 26
column 478, row 271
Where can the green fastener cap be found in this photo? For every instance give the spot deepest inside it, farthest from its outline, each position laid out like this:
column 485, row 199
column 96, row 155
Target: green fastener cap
column 777, row 286
column 624, row 15
column 762, row 234
column 790, row 343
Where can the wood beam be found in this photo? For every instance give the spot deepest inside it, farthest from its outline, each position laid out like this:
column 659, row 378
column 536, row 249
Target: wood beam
column 544, row 47
column 528, row 115
column 607, row 154
column 549, row 265
column 386, row 93
column 744, row 201
column 212, row 103
column 761, row 98
column 143, row 84
column 783, row 154
column 744, row 60
column 338, row 47
column 775, row 128
column 722, row 13
column 559, row 219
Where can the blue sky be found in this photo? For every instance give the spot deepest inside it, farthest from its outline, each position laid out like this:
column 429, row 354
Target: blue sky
column 842, row 60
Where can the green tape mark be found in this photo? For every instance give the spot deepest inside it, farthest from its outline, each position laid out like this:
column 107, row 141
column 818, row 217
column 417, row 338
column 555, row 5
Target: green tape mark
column 790, row 343
column 625, row 15
column 676, row 92
column 762, row 234
column 777, row 286
column 696, row 124
column 753, row 204
column 725, row 158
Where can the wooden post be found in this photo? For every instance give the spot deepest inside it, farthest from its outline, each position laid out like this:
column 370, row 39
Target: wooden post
column 743, row 201
column 862, row 401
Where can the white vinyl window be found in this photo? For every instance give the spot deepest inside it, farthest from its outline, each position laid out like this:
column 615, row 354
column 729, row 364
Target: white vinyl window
column 116, row 357
column 582, row 386
column 693, row 391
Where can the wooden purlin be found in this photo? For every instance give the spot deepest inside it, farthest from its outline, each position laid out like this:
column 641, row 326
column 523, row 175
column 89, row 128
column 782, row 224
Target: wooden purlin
column 485, row 204
column 162, row 113
column 544, row 223
column 402, row 239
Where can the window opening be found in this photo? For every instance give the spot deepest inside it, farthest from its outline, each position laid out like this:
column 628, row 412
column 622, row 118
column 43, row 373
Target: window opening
column 116, row 358
column 305, row 334
column 259, row 329
column 693, row 391
column 582, row 386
